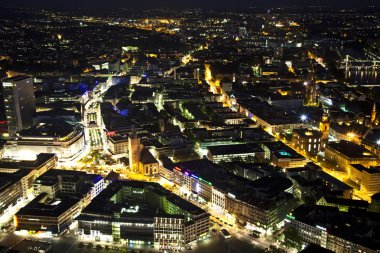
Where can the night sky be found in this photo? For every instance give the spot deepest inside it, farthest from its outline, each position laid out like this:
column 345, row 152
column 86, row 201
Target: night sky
column 217, row 4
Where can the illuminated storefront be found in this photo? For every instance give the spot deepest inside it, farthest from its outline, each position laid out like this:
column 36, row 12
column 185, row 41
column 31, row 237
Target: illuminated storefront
column 67, row 144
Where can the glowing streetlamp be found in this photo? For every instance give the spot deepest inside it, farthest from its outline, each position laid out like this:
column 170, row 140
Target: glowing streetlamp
column 351, row 135
column 303, row 117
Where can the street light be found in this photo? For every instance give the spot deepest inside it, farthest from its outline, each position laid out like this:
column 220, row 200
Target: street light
column 351, row 135
column 303, row 117
column 378, row 142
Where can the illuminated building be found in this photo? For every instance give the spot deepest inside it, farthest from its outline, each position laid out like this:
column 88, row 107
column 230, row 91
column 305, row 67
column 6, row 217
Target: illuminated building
column 127, row 49
column 278, row 52
column 117, row 132
column 19, row 102
column 52, row 216
column 34, row 169
column 230, row 135
column 197, row 74
column 263, row 213
column 307, row 140
column 1, row 149
column 48, row 136
column 271, row 119
column 269, row 70
column 110, row 66
column 263, row 202
column 3, row 116
column 228, row 152
column 343, row 204
column 164, row 169
column 353, row 132
column 61, row 195
column 311, row 182
column 69, row 115
column 58, row 181
column 148, row 165
column 117, row 144
column 61, row 97
column 311, row 88
column 345, row 153
column 284, row 101
column 336, row 185
column 282, row 155
column 11, row 189
column 373, row 114
column 134, row 150
column 367, row 178
column 136, row 212
column 253, row 171
column 168, row 232
column 334, row 230
column 324, row 127
column 371, row 140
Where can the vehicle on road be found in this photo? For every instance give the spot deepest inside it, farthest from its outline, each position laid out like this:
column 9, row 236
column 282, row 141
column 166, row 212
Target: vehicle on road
column 225, row 233
column 255, row 234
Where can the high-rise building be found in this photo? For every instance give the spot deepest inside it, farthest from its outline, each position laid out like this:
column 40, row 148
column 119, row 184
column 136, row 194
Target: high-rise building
column 134, row 151
column 19, row 103
column 3, row 117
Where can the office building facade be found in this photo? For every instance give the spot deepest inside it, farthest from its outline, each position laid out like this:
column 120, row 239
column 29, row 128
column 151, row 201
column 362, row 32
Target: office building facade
column 19, row 102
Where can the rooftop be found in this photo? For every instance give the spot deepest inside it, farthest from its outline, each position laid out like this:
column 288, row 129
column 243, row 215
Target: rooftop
column 370, row 170
column 105, row 203
column 351, row 150
column 341, row 224
column 41, row 159
column 49, row 128
column 347, row 202
column 234, row 149
column 308, row 133
column 147, row 157
column 42, row 205
column 8, row 179
column 67, row 175
column 269, row 188
column 14, row 78
column 280, row 150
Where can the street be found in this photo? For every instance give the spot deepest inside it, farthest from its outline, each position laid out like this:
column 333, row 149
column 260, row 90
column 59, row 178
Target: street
column 67, row 244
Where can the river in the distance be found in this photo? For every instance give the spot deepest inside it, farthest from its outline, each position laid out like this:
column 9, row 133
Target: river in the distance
column 363, row 76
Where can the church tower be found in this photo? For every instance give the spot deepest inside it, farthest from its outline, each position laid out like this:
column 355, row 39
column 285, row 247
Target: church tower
column 134, row 150
column 310, row 88
column 373, row 114
column 324, row 127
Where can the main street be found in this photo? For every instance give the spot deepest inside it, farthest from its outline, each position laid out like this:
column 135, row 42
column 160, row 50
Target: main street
column 72, row 244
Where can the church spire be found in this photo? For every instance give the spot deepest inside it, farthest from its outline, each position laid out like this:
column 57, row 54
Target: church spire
column 373, row 114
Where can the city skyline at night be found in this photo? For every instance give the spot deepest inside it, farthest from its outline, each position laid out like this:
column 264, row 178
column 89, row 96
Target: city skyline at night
column 189, row 126
column 210, row 4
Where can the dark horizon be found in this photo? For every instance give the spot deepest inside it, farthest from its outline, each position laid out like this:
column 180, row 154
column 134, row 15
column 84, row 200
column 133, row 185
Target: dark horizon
column 196, row 4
